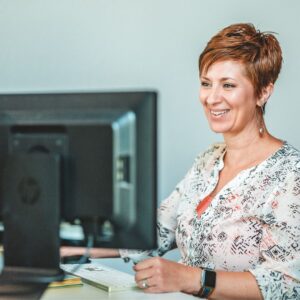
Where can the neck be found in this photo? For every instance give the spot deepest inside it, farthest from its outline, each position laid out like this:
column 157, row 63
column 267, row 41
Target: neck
column 242, row 150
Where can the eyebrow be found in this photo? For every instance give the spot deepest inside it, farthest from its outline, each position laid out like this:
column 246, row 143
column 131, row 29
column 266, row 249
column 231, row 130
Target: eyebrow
column 222, row 79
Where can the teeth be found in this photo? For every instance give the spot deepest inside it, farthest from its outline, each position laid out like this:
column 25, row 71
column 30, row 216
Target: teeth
column 219, row 113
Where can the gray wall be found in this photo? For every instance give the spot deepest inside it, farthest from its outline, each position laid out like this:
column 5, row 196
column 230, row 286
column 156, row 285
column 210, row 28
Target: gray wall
column 78, row 45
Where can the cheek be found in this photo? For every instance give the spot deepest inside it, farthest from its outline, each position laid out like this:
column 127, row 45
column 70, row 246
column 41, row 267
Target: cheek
column 202, row 103
column 201, row 98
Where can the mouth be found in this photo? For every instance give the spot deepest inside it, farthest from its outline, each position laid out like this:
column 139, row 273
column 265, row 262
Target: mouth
column 219, row 113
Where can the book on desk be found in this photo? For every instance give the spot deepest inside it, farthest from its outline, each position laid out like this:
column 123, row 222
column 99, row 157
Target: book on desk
column 69, row 280
column 101, row 276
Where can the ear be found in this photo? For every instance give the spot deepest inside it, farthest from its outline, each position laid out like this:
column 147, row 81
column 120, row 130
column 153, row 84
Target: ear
column 265, row 94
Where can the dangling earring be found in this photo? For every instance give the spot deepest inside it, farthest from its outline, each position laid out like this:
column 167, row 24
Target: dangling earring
column 261, row 129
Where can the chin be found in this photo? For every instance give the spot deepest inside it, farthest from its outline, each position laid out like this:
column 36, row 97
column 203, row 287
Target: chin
column 219, row 129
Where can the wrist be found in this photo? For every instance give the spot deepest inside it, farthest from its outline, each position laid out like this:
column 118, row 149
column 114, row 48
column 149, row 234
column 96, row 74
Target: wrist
column 192, row 283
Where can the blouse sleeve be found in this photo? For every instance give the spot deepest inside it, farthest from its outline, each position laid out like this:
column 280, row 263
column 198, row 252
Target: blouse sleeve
column 278, row 274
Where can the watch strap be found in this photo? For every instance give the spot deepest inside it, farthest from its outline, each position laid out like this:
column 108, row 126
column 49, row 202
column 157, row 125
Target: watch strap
column 208, row 283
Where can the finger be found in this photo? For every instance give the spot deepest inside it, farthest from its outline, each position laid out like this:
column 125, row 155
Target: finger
column 147, row 263
column 148, row 273
column 150, row 282
column 145, row 283
column 143, row 265
column 142, row 284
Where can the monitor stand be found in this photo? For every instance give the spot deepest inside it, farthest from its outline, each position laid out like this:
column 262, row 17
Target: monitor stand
column 31, row 216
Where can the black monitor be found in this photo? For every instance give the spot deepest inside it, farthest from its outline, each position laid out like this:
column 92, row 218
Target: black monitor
column 85, row 159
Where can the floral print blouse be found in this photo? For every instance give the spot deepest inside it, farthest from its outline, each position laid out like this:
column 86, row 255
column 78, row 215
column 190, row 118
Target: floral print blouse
column 252, row 224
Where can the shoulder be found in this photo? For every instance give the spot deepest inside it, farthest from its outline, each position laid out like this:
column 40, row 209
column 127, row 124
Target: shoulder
column 211, row 154
column 205, row 161
column 284, row 168
column 288, row 157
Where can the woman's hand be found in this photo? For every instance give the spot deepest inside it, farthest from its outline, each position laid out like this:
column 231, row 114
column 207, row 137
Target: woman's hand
column 156, row 275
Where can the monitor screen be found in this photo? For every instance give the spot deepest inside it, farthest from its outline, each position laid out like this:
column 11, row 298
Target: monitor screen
column 92, row 156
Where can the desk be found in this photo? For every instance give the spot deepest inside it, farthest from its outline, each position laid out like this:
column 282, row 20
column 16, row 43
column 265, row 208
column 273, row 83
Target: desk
column 88, row 292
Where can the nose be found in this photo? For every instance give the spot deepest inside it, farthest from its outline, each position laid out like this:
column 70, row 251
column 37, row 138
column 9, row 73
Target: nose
column 212, row 95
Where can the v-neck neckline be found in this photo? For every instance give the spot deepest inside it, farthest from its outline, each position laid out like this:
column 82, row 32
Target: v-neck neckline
column 219, row 165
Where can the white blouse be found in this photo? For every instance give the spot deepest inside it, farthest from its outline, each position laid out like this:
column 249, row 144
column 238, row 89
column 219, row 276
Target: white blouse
column 252, row 224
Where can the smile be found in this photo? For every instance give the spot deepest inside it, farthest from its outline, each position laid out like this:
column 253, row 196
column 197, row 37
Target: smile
column 218, row 113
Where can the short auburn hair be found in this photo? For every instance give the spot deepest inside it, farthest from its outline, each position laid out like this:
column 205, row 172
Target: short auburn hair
column 259, row 52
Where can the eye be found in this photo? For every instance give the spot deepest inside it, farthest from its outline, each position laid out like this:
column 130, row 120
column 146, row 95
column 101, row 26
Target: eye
column 228, row 85
column 205, row 83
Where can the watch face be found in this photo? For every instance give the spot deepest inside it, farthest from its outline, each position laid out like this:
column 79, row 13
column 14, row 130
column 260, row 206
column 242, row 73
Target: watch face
column 210, row 279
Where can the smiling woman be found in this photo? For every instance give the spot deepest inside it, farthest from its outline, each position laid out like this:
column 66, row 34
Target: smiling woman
column 234, row 216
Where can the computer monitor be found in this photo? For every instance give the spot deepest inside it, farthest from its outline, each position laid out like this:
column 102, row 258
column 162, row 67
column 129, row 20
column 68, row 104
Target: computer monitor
column 88, row 159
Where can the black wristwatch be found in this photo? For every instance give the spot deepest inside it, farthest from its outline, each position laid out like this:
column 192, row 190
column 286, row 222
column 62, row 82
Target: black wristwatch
column 208, row 283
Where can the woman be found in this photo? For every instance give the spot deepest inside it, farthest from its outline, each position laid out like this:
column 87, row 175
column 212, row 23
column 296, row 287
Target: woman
column 235, row 216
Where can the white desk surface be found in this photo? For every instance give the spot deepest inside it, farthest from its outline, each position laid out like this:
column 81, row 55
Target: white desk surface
column 88, row 292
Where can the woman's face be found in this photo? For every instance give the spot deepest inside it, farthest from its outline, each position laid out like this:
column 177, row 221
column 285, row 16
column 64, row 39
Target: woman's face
column 228, row 98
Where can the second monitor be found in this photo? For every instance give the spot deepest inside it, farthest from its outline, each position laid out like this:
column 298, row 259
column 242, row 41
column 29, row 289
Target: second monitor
column 103, row 155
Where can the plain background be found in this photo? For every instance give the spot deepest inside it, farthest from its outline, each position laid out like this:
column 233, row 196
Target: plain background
column 115, row 45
